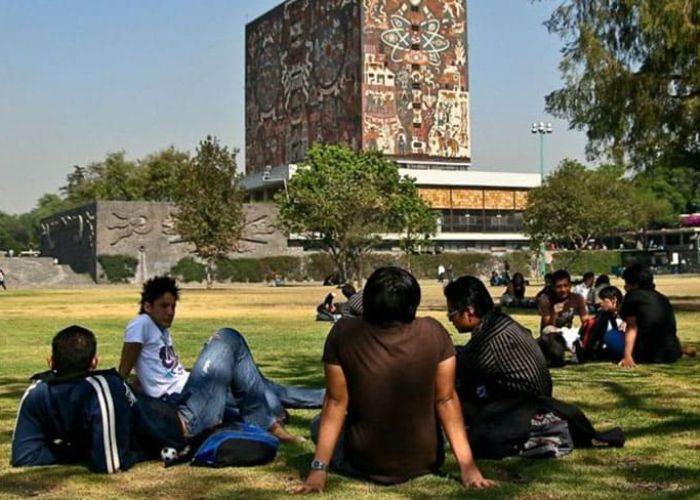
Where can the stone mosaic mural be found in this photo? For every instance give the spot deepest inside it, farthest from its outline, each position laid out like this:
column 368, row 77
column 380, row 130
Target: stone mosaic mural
column 389, row 75
column 415, row 89
column 302, row 80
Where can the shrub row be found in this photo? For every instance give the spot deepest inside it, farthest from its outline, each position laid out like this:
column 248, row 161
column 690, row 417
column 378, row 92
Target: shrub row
column 318, row 266
column 118, row 268
column 598, row 261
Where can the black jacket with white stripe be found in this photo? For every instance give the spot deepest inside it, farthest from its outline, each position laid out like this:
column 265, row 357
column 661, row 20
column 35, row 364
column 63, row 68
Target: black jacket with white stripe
column 93, row 418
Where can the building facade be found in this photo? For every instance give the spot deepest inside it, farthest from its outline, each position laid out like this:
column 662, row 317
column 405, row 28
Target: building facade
column 384, row 75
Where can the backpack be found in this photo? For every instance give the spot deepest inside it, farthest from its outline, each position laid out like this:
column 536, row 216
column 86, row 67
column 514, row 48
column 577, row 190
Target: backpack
column 238, row 445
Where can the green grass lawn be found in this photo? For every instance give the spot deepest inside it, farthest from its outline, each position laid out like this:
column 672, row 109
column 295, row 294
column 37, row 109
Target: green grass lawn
column 658, row 406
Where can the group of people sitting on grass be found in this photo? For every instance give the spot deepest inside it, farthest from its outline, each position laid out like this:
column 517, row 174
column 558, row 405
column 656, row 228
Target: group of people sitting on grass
column 396, row 386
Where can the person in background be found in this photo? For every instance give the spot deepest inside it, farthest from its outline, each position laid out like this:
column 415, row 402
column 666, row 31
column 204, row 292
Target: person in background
column 585, row 288
column 650, row 333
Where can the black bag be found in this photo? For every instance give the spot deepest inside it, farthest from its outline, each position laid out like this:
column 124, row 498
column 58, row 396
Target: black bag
column 554, row 348
column 242, row 445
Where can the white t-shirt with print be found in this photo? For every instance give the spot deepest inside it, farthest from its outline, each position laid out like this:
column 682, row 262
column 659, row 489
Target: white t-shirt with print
column 158, row 367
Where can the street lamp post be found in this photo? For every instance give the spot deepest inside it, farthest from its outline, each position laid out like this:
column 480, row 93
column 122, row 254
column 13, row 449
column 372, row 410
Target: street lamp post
column 542, row 129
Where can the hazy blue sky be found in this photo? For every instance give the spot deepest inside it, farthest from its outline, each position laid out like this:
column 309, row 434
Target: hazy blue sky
column 81, row 78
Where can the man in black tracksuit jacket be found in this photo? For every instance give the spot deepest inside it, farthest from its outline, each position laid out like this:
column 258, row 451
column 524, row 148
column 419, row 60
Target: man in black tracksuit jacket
column 74, row 413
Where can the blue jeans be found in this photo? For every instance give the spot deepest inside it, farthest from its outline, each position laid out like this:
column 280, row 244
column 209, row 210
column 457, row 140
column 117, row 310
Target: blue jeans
column 225, row 379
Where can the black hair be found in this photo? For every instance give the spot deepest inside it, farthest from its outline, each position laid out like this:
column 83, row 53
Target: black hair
column 639, row 276
column 603, row 279
column 587, row 275
column 518, row 277
column 72, row 350
column 468, row 291
column 391, row 294
column 548, row 278
column 611, row 292
column 348, row 290
column 561, row 274
column 155, row 288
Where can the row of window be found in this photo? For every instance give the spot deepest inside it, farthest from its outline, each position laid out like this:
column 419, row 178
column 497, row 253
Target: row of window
column 481, row 221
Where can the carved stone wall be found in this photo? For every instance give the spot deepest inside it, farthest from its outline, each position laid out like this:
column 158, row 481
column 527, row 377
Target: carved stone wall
column 147, row 232
column 71, row 237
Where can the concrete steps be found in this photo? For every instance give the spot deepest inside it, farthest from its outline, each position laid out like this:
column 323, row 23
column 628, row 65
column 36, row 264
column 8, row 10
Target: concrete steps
column 40, row 272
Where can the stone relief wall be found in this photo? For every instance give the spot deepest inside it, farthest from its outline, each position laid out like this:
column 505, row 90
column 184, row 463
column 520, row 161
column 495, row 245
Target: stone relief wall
column 146, row 231
column 302, row 80
column 71, row 238
column 415, row 92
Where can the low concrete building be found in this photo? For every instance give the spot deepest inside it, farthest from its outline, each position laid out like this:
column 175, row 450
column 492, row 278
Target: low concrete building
column 146, row 231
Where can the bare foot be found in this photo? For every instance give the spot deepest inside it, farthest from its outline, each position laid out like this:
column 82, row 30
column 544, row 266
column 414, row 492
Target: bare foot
column 284, row 435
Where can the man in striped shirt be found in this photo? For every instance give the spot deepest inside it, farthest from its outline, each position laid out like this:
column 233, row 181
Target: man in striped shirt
column 501, row 360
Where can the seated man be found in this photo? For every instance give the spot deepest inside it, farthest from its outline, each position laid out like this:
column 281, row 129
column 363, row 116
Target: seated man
column 390, row 380
column 585, row 287
column 501, row 359
column 74, row 413
column 559, row 305
column 650, row 333
column 148, row 347
column 505, row 386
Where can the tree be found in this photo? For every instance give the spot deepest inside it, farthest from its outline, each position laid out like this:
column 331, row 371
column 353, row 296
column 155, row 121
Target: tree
column 631, row 72
column 344, row 201
column 160, row 174
column 114, row 178
column 578, row 205
column 210, row 203
column 414, row 217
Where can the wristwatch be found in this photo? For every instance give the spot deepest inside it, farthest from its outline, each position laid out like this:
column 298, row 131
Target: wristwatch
column 318, row 465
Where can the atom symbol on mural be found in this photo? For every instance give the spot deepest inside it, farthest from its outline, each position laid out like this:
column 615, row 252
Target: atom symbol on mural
column 399, row 39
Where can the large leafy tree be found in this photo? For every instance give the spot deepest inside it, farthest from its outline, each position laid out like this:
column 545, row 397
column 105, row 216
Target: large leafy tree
column 414, row 217
column 153, row 178
column 210, row 203
column 577, row 205
column 631, row 72
column 344, row 201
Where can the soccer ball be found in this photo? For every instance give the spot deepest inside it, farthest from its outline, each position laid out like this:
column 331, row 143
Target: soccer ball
column 168, row 454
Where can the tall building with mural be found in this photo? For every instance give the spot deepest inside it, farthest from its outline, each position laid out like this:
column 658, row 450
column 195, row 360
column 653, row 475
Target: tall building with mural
column 386, row 75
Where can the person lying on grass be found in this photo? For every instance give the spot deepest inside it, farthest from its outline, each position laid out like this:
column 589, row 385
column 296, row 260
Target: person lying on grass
column 73, row 412
column 148, row 347
column 390, row 382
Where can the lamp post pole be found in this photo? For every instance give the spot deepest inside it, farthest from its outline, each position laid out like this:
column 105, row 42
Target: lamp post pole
column 542, row 129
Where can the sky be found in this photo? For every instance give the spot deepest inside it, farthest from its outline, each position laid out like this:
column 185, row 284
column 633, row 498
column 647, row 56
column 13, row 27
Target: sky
column 83, row 78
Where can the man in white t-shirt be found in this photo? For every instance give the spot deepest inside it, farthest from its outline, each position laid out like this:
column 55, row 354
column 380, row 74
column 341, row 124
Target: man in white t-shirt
column 148, row 348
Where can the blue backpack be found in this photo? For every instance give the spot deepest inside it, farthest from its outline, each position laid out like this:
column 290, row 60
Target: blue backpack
column 239, row 445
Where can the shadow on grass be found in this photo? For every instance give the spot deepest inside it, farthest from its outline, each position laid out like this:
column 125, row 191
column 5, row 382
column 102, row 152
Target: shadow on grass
column 304, row 370
column 13, row 387
column 36, row 481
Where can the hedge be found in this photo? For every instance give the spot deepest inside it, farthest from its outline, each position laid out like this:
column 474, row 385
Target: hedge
column 317, row 266
column 597, row 261
column 189, row 270
column 118, row 268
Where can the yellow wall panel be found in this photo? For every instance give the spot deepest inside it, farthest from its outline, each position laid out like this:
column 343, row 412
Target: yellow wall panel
column 436, row 197
column 498, row 200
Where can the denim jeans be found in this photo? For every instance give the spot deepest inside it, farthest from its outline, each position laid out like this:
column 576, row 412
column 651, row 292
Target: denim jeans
column 225, row 379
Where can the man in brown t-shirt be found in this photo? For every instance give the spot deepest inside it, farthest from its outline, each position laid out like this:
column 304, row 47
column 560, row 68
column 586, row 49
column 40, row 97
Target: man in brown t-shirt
column 558, row 307
column 390, row 383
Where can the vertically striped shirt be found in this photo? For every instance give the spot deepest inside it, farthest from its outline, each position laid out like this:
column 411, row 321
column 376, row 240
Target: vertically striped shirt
column 501, row 360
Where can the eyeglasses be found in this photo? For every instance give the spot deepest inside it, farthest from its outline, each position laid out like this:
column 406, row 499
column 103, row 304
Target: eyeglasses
column 451, row 314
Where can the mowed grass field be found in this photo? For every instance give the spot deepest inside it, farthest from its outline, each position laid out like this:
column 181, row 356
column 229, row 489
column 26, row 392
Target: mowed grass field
column 658, row 406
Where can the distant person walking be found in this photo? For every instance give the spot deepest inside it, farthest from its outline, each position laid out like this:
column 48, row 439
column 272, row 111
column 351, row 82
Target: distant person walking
column 2, row 280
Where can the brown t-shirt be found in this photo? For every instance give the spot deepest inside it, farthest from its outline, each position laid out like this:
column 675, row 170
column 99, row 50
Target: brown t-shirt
column 574, row 305
column 391, row 428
